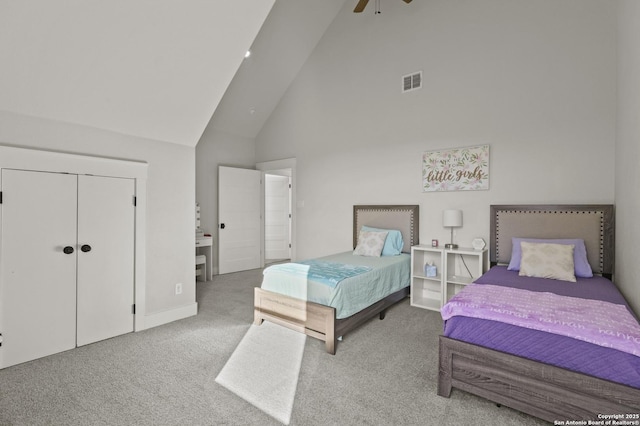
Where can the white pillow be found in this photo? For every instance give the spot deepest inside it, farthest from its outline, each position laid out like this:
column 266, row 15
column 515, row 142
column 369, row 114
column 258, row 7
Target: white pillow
column 544, row 260
column 370, row 243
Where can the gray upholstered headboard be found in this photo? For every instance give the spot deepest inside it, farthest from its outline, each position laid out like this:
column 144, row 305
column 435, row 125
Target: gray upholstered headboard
column 594, row 223
column 404, row 218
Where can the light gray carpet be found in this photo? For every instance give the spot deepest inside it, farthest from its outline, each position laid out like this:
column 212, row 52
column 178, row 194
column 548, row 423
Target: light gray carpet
column 384, row 373
column 264, row 369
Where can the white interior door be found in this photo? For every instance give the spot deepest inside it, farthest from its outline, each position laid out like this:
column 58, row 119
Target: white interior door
column 239, row 204
column 105, row 257
column 37, row 277
column 277, row 217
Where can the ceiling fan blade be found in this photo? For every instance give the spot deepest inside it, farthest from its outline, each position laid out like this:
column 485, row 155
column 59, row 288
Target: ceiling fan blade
column 361, row 5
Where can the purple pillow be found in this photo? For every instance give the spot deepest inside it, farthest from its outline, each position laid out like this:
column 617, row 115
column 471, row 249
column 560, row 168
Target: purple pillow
column 580, row 262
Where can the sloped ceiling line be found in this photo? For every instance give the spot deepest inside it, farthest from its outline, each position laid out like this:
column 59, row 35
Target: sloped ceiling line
column 155, row 69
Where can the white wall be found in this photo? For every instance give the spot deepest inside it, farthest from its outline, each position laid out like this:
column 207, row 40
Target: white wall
column 215, row 149
column 628, row 152
column 170, row 197
column 534, row 80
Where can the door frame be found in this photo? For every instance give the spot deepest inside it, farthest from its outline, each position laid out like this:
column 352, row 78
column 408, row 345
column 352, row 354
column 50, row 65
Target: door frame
column 265, row 167
column 62, row 162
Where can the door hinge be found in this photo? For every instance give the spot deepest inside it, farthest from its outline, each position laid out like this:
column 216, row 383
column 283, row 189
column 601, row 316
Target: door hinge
column 289, row 186
column 289, row 245
column 133, row 309
column 135, row 201
column 0, row 339
column 0, row 197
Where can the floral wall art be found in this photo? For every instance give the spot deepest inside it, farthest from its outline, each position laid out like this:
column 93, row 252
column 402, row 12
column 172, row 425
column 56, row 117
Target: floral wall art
column 460, row 169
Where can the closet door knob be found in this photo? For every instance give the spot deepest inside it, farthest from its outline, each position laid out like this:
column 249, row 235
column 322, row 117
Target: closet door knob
column 85, row 248
column 68, row 250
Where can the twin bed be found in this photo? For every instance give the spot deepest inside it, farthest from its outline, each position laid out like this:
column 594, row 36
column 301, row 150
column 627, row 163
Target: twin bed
column 532, row 368
column 294, row 297
column 494, row 352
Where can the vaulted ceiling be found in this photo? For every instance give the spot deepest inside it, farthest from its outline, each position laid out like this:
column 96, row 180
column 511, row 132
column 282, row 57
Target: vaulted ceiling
column 154, row 69
column 285, row 41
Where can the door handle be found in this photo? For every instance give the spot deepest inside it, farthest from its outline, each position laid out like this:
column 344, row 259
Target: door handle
column 68, row 250
column 85, row 248
column 222, row 226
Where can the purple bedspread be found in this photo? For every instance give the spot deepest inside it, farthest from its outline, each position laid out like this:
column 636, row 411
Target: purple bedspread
column 554, row 349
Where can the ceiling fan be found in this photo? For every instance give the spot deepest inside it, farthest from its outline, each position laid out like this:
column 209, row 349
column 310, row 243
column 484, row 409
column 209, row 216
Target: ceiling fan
column 363, row 3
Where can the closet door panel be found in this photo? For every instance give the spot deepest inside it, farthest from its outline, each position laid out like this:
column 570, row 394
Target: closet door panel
column 37, row 278
column 106, row 270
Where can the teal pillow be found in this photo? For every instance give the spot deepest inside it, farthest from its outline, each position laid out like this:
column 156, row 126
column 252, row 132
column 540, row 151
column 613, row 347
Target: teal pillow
column 393, row 244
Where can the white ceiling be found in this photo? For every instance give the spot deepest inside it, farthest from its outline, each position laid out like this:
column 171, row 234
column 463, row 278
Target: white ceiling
column 285, row 41
column 155, row 69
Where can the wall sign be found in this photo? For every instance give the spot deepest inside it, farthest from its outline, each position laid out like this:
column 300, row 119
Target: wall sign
column 460, row 169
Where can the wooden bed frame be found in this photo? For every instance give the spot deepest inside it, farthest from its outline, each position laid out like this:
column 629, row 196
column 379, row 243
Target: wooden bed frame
column 320, row 321
column 539, row 389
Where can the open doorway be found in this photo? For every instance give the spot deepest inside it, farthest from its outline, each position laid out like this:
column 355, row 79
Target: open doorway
column 282, row 174
column 277, row 216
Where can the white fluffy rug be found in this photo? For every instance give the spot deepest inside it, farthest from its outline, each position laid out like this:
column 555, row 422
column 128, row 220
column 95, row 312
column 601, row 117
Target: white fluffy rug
column 264, row 368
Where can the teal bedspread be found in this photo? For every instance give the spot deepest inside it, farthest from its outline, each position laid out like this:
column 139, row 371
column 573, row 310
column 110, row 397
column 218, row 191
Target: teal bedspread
column 344, row 289
column 328, row 273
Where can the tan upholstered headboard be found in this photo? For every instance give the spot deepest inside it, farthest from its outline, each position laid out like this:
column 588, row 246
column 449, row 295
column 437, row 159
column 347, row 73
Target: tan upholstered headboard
column 594, row 223
column 404, row 218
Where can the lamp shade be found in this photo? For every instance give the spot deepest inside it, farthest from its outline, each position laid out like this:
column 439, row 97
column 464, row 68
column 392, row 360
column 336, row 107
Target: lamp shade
column 452, row 218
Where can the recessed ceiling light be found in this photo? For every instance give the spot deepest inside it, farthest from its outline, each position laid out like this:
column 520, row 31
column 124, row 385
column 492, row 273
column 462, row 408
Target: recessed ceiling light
column 246, row 55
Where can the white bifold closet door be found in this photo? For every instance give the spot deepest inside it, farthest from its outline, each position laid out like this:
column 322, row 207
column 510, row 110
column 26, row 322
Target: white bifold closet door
column 38, row 305
column 66, row 262
column 106, row 271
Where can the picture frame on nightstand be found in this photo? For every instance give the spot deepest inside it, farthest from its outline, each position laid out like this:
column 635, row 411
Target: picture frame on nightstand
column 478, row 244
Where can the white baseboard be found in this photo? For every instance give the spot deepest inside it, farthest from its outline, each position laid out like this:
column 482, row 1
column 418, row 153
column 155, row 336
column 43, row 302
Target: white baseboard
column 165, row 317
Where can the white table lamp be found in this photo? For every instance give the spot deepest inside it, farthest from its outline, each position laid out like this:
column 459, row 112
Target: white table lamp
column 451, row 219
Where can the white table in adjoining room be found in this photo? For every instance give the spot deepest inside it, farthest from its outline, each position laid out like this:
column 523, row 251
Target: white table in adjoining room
column 204, row 245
